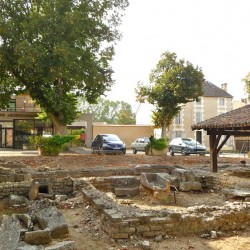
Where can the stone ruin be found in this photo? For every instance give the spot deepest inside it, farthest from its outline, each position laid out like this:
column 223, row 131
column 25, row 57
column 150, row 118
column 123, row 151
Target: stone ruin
column 118, row 221
column 40, row 226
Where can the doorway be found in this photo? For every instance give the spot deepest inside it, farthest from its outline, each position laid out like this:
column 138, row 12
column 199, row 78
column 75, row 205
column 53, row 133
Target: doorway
column 199, row 136
column 6, row 137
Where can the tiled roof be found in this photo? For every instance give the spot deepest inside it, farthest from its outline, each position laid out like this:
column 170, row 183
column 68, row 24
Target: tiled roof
column 237, row 118
column 211, row 90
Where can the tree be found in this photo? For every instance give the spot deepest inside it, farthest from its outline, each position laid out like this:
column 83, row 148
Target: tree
column 172, row 83
column 57, row 50
column 125, row 116
column 112, row 112
column 247, row 84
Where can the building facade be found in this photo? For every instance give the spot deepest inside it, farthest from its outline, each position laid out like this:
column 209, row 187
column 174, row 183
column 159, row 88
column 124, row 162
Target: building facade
column 17, row 122
column 215, row 101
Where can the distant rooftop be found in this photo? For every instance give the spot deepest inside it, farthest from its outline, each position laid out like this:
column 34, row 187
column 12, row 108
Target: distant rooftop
column 211, row 90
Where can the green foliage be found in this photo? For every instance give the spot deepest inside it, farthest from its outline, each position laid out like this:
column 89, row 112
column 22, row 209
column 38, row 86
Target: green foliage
column 247, row 84
column 126, row 117
column 50, row 145
column 57, row 50
column 158, row 144
column 173, row 83
column 111, row 112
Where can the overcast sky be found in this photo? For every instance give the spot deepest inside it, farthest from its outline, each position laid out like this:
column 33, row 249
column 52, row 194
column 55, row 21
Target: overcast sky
column 211, row 34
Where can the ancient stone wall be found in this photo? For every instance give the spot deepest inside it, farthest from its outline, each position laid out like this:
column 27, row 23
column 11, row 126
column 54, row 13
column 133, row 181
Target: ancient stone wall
column 123, row 221
column 18, row 188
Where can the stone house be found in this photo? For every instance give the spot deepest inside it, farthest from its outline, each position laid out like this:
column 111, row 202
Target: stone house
column 215, row 101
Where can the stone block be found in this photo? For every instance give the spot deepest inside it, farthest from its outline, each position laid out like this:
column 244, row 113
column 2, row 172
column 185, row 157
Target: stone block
column 40, row 237
column 9, row 232
column 185, row 186
column 53, row 220
column 123, row 192
column 64, row 245
column 183, row 175
column 142, row 229
column 196, row 186
column 120, row 235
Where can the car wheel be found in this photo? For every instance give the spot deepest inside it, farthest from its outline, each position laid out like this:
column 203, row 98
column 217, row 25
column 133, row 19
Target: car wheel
column 134, row 151
column 183, row 151
column 99, row 150
column 171, row 152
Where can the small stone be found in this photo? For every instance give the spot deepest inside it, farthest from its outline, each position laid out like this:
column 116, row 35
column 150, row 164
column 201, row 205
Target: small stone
column 213, row 234
column 158, row 238
column 204, row 235
column 145, row 244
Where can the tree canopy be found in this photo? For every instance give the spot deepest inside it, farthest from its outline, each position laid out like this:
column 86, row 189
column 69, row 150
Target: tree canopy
column 172, row 83
column 247, row 84
column 57, row 50
column 111, row 112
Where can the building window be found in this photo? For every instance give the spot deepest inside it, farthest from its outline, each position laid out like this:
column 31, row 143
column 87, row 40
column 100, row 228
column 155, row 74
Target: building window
column 198, row 116
column 178, row 119
column 221, row 102
column 177, row 134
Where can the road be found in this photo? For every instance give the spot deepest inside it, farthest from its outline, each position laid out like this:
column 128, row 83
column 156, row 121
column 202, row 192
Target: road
column 83, row 150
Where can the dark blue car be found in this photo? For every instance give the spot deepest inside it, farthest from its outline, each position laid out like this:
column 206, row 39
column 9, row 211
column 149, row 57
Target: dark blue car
column 108, row 144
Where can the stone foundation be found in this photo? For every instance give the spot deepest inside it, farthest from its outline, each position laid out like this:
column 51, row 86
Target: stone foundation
column 123, row 221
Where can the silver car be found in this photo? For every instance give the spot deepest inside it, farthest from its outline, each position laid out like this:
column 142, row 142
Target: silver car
column 139, row 144
column 186, row 146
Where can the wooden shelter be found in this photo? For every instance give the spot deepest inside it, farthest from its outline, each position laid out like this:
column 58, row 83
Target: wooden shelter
column 235, row 122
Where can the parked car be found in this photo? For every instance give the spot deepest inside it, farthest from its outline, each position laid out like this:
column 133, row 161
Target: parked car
column 108, row 144
column 186, row 146
column 139, row 144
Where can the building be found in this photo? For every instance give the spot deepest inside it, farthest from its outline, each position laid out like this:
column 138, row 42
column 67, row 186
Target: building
column 17, row 122
column 215, row 101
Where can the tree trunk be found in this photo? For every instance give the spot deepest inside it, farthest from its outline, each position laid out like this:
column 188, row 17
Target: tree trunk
column 59, row 128
column 164, row 130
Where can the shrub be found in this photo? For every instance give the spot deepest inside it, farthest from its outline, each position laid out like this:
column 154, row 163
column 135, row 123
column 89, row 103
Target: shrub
column 50, row 145
column 157, row 144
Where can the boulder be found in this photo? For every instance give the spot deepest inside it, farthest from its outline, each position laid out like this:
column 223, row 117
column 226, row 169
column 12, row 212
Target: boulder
column 39, row 237
column 9, row 232
column 50, row 218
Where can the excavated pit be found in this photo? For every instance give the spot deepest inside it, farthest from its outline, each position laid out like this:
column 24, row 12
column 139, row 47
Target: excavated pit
column 196, row 201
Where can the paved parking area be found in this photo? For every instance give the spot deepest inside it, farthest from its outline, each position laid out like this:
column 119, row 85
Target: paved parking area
column 83, row 150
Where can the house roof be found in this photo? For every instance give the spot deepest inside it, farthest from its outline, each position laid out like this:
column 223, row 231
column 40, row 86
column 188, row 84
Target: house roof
column 237, row 118
column 211, row 90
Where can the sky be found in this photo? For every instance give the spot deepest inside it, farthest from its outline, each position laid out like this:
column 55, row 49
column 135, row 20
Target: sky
column 211, row 34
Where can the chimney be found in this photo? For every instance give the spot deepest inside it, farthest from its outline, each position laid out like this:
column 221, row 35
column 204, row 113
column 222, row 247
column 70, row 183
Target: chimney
column 224, row 86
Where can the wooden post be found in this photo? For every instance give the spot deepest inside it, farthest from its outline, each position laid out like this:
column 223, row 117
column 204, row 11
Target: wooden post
column 213, row 152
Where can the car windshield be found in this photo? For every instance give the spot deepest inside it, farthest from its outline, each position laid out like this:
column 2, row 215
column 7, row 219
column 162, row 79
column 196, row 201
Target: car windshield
column 190, row 142
column 111, row 138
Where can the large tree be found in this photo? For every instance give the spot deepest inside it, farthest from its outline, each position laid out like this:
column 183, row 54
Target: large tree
column 172, row 83
column 56, row 50
column 111, row 112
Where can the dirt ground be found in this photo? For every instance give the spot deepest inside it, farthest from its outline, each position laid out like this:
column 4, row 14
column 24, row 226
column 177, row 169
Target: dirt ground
column 84, row 223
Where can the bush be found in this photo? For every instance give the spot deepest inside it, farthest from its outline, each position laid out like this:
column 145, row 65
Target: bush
column 157, row 144
column 50, row 145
